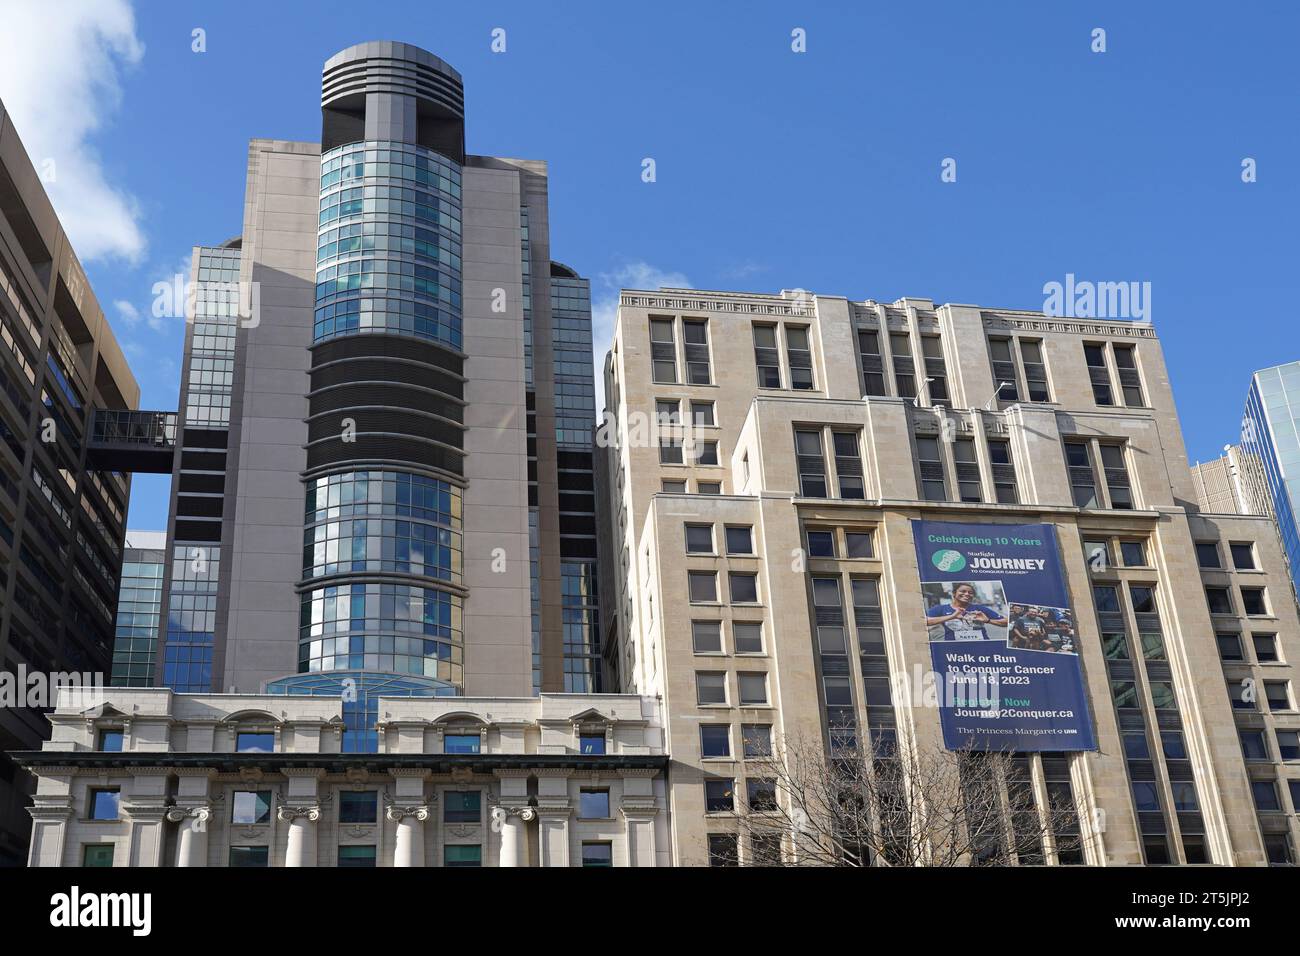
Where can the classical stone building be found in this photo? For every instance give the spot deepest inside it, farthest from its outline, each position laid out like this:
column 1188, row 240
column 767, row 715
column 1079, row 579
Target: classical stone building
column 762, row 573
column 146, row 777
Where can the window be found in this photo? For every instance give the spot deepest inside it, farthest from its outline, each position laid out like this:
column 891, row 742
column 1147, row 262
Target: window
column 715, row 740
column 722, row 850
column 1252, row 744
column 1004, row 471
column 838, row 691
column 873, row 366
column 747, row 638
column 597, row 854
column 857, row 544
column 702, row 414
column 757, row 740
column 708, row 487
column 1243, row 556
column 1155, row 849
column 798, row 355
column 900, row 346
column 1035, row 370
column 358, row 806
column 848, row 464
column 1278, row 693
column 710, row 687
column 97, row 854
column 1125, row 693
column 740, row 539
column 103, row 804
column 1265, row 647
column 110, row 741
column 668, row 411
column 760, row 795
column 706, row 453
column 250, row 806
column 766, row 357
column 1078, row 458
column 743, row 587
column 1130, row 382
column 1144, row 600
column 812, row 466
column 1004, row 370
column 695, row 336
column 1252, row 601
column 357, row 856
column 1277, row 846
column 462, row 806
column 935, row 371
column 593, row 805
column 765, row 849
column 1145, row 797
column 1162, row 695
column 1135, row 746
column 1265, row 794
column 1114, row 646
column 663, row 352
column 1097, row 554
column 593, row 744
column 1133, row 554
column 1242, row 694
column 255, row 743
column 699, row 539
column 462, row 743
column 930, row 465
column 674, row 487
column 1117, row 480
column 703, row 587
column 1106, row 598
column 706, row 637
column 1098, row 374
column 1294, row 787
column 1153, row 645
column 1207, row 554
column 753, row 688
column 1173, row 745
column 1229, row 646
column 821, row 544
column 1217, row 599
column 1288, row 746
column 243, row 856
column 462, row 855
column 719, row 795
column 968, row 470
column 670, row 451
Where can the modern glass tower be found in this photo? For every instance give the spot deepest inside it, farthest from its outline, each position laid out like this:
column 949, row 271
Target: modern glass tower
column 383, row 480
column 1270, row 446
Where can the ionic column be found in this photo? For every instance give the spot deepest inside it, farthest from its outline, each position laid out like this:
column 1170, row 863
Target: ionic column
column 302, row 835
column 510, row 823
column 409, row 849
column 192, row 839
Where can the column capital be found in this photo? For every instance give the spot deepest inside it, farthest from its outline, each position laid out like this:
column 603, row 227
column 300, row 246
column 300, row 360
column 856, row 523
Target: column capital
column 200, row 814
column 396, row 813
column 289, row 814
column 501, row 814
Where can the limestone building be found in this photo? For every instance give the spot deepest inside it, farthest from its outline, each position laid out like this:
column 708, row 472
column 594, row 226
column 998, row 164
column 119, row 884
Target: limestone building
column 762, row 574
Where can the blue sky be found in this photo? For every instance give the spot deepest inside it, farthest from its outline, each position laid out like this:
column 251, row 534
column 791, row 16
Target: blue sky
column 775, row 169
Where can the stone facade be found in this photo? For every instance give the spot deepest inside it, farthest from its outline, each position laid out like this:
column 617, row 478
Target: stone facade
column 235, row 779
column 998, row 395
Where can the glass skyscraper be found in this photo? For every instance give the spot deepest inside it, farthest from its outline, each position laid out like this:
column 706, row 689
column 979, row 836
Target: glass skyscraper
column 1270, row 443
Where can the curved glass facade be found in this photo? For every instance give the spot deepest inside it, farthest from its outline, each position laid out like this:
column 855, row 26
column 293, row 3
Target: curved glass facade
column 360, row 691
column 399, row 628
column 383, row 521
column 388, row 253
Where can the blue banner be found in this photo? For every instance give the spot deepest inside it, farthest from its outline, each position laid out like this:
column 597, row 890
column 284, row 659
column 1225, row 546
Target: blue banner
column 1003, row 642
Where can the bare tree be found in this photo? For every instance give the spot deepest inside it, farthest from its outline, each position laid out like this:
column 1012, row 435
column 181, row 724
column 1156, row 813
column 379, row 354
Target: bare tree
column 804, row 806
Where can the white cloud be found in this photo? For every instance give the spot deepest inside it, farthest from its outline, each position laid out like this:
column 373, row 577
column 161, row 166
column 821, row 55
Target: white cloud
column 604, row 307
column 59, row 64
column 128, row 313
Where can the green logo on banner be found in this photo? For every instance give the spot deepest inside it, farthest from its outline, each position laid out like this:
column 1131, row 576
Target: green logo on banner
column 948, row 560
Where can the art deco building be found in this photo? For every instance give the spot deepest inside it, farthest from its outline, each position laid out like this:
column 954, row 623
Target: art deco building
column 762, row 576
column 65, row 392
